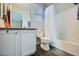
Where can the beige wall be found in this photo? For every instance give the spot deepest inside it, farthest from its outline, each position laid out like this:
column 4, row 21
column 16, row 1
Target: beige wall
column 2, row 25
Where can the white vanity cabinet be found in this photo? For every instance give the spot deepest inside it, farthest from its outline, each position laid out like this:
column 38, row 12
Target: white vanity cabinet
column 17, row 42
column 28, row 42
column 9, row 42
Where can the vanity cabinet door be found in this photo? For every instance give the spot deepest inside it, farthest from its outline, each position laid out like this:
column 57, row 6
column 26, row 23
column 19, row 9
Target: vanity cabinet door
column 8, row 43
column 28, row 42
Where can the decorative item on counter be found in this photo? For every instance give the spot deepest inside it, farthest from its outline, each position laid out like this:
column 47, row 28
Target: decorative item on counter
column 29, row 24
column 7, row 17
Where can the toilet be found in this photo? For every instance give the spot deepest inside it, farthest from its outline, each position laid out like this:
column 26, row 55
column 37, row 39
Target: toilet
column 49, row 27
column 45, row 43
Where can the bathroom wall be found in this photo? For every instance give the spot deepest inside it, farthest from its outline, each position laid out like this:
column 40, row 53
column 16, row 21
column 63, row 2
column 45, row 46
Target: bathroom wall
column 67, row 31
column 49, row 23
column 2, row 25
column 67, row 24
column 37, row 18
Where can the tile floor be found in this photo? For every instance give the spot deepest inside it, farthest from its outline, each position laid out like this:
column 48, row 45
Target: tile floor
column 52, row 52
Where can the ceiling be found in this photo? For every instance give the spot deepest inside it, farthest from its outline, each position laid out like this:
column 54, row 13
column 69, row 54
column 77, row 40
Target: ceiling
column 59, row 7
column 23, row 6
column 44, row 5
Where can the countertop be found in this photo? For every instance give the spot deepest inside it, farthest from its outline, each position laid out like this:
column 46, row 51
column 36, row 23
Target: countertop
column 17, row 28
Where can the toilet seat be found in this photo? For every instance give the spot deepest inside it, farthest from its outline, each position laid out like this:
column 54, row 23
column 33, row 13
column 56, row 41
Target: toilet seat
column 45, row 39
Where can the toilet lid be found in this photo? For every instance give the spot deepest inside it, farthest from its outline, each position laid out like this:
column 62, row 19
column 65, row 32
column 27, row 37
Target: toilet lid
column 45, row 39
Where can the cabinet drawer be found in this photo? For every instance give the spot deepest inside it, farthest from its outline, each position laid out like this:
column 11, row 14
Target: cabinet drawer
column 28, row 31
column 10, row 31
column 2, row 31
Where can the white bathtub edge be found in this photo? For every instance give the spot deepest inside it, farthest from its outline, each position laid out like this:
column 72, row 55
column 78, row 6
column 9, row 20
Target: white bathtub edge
column 69, row 47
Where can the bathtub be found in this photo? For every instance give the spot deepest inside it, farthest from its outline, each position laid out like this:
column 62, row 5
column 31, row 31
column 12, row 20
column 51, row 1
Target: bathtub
column 67, row 46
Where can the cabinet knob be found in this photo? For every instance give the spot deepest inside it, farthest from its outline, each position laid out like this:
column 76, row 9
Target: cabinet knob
column 7, row 31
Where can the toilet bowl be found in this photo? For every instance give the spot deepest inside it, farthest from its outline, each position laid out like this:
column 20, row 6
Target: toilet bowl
column 45, row 43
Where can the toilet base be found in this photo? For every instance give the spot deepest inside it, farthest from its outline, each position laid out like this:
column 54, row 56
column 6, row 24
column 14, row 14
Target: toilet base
column 45, row 46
